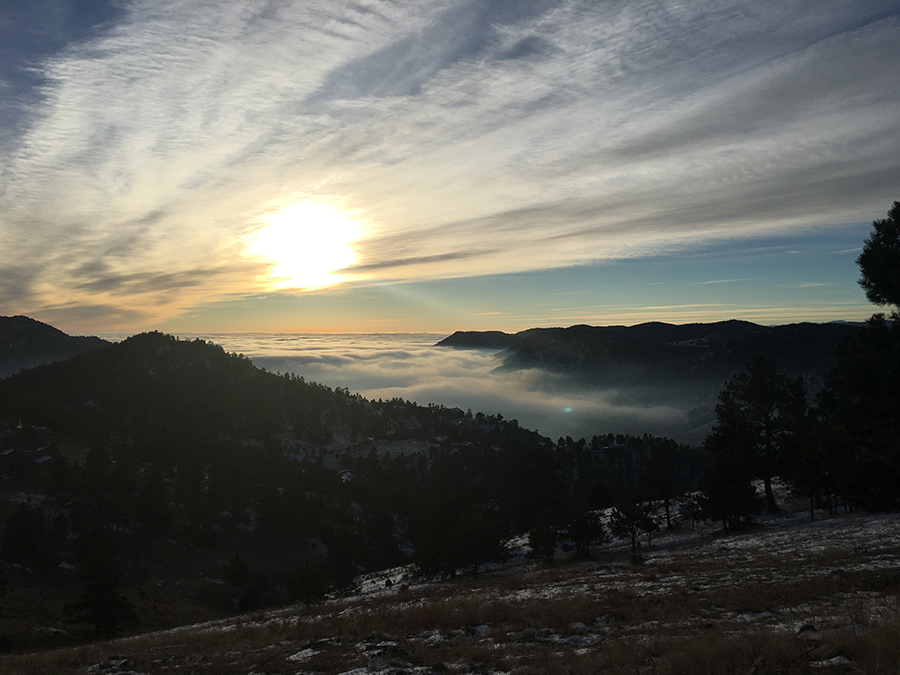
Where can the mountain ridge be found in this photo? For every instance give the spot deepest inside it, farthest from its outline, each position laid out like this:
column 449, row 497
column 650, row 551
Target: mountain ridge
column 27, row 343
column 662, row 352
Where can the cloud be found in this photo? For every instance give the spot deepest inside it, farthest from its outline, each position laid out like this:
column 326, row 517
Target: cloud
column 421, row 260
column 470, row 137
column 29, row 33
column 411, row 368
column 134, row 284
column 724, row 281
column 15, row 284
column 83, row 318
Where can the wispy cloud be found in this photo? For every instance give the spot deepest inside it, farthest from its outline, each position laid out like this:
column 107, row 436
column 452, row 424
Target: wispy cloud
column 470, row 137
column 724, row 281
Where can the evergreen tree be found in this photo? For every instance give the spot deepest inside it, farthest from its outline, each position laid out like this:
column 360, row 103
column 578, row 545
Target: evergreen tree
column 632, row 517
column 102, row 602
column 585, row 531
column 237, row 571
column 759, row 420
column 543, row 539
column 861, row 408
column 861, row 405
column 658, row 475
column 727, row 493
column 28, row 541
column 472, row 541
column 689, row 508
column 879, row 261
column 310, row 581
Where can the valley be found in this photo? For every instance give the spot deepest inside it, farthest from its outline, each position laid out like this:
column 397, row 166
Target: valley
column 171, row 507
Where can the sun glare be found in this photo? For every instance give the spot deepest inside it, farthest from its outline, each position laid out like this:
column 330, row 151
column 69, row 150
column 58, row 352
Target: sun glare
column 306, row 243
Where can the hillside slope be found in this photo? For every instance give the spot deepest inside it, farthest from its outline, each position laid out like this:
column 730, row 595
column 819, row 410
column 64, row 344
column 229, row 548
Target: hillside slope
column 26, row 343
column 790, row 597
column 193, row 483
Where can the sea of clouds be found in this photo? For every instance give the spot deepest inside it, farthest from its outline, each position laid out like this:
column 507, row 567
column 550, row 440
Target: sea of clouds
column 410, row 366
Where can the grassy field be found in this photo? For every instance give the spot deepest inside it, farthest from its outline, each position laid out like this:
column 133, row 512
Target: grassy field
column 789, row 596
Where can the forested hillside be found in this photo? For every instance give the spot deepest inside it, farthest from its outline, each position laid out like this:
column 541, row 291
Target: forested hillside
column 158, row 477
column 689, row 355
column 26, row 343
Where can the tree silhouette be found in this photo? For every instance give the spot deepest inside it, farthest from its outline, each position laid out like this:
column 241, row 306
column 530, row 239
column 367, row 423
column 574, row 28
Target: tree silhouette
column 310, row 581
column 861, row 405
column 543, row 539
column 658, row 476
column 236, row 570
column 812, row 471
column 27, row 540
column 727, row 493
column 631, row 517
column 101, row 602
column 758, row 419
column 473, row 540
column 585, row 530
column 861, row 409
column 879, row 261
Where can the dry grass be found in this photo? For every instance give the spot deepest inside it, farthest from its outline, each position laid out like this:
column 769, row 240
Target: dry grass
column 726, row 605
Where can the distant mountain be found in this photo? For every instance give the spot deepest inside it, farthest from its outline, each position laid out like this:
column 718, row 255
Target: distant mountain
column 153, row 385
column 667, row 377
column 657, row 353
column 473, row 339
column 26, row 343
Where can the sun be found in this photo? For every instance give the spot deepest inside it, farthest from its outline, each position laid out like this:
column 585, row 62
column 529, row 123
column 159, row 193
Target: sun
column 306, row 244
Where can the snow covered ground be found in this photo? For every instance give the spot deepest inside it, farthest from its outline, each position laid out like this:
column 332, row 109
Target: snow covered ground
column 788, row 596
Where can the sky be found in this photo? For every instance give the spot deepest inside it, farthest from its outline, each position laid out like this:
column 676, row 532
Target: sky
column 391, row 166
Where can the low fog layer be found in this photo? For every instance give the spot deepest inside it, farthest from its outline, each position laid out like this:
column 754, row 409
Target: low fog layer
column 410, row 367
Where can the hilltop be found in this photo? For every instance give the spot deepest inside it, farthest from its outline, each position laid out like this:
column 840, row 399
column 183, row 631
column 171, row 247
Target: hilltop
column 661, row 352
column 26, row 343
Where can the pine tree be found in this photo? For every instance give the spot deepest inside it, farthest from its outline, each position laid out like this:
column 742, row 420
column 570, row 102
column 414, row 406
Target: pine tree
column 102, row 602
column 759, row 421
column 632, row 517
column 879, row 261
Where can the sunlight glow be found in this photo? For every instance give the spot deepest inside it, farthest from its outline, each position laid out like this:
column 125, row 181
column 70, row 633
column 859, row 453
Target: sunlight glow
column 306, row 243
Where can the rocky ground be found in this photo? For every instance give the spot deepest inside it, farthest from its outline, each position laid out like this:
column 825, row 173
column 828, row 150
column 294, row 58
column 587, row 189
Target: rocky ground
column 788, row 596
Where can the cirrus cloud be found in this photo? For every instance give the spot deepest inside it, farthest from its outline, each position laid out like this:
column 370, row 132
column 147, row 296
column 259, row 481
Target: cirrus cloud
column 469, row 137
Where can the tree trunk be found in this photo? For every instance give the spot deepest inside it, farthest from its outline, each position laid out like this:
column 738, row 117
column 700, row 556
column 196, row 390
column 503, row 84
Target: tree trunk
column 770, row 496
